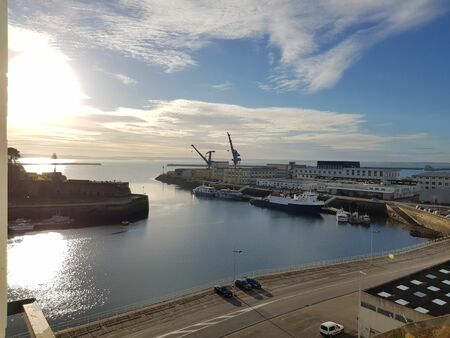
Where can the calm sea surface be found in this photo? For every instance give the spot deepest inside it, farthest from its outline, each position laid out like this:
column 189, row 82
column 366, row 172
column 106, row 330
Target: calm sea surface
column 185, row 243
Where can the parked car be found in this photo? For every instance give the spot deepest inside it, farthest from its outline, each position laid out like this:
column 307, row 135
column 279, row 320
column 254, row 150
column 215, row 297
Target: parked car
column 331, row 329
column 223, row 291
column 253, row 282
column 243, row 284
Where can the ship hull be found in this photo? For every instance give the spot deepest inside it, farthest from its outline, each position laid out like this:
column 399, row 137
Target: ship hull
column 204, row 194
column 292, row 208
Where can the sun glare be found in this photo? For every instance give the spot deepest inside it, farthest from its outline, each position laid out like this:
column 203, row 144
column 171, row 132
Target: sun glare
column 43, row 88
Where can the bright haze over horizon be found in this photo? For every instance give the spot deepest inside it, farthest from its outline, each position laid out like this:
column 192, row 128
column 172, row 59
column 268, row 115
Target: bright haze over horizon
column 304, row 79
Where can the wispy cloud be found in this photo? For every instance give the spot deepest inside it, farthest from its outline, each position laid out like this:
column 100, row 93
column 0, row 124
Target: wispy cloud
column 227, row 85
column 167, row 128
column 318, row 40
column 126, row 80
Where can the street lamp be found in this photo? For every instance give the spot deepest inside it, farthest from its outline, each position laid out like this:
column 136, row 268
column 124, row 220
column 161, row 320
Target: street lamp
column 371, row 243
column 234, row 262
column 361, row 273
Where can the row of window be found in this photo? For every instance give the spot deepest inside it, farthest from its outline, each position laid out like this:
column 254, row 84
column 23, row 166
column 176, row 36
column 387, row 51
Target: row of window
column 434, row 178
column 387, row 313
column 347, row 172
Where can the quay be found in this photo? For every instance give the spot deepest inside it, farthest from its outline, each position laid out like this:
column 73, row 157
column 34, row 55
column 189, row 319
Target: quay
column 291, row 303
column 97, row 212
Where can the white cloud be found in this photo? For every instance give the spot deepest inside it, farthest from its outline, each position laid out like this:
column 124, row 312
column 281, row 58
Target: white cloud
column 167, row 128
column 227, row 85
column 317, row 39
column 126, row 80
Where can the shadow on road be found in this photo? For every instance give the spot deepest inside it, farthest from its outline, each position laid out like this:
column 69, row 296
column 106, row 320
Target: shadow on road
column 254, row 294
column 265, row 293
column 233, row 301
column 347, row 335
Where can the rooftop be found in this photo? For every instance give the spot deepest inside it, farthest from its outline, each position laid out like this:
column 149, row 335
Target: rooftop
column 426, row 291
column 433, row 174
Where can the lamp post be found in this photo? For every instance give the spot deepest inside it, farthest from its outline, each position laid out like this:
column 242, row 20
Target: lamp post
column 234, row 262
column 371, row 243
column 361, row 273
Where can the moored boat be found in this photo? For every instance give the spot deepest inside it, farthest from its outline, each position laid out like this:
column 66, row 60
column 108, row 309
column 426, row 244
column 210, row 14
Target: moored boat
column 21, row 225
column 229, row 194
column 204, row 190
column 55, row 220
column 364, row 219
column 306, row 203
column 342, row 216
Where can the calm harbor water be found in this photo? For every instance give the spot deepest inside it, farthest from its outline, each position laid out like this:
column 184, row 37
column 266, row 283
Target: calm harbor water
column 186, row 242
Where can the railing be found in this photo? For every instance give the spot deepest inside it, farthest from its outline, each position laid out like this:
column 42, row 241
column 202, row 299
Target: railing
column 205, row 287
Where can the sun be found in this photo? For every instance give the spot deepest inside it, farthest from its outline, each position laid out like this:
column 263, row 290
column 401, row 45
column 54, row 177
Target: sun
column 43, row 88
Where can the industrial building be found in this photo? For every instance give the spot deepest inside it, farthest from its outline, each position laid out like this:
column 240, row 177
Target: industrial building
column 434, row 187
column 346, row 170
column 348, row 188
column 248, row 175
column 419, row 296
column 281, row 183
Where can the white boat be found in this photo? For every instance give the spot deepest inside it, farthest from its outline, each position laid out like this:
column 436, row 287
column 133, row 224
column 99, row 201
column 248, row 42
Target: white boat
column 364, row 219
column 354, row 218
column 229, row 194
column 306, row 203
column 21, row 225
column 204, row 190
column 55, row 220
column 342, row 216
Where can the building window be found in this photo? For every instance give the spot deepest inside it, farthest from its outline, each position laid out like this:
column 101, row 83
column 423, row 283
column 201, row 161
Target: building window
column 353, row 173
column 381, row 174
column 375, row 173
column 385, row 313
column 369, row 306
column 370, row 173
column 357, row 172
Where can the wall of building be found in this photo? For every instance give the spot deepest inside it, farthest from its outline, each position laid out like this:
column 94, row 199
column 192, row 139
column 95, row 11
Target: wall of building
column 374, row 174
column 435, row 196
column 384, row 315
column 430, row 328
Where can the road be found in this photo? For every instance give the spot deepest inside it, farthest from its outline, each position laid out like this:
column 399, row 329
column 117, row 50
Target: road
column 290, row 304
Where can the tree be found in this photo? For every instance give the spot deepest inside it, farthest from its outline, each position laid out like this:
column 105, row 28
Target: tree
column 13, row 155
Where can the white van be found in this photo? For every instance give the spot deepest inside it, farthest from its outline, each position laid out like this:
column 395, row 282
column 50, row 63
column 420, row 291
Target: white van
column 331, row 329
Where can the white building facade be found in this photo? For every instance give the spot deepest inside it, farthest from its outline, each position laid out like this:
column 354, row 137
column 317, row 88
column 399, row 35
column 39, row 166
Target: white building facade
column 369, row 174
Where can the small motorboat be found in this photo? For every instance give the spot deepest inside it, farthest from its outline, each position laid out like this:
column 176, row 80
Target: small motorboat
column 364, row 219
column 342, row 216
column 124, row 223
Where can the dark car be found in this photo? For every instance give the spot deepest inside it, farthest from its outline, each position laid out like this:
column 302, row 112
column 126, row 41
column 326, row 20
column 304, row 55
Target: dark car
column 223, row 291
column 243, row 284
column 253, row 282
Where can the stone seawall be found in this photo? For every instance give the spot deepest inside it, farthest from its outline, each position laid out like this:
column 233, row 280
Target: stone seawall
column 429, row 220
column 131, row 208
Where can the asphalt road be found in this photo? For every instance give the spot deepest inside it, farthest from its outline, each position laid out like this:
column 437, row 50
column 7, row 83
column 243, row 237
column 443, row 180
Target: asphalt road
column 290, row 305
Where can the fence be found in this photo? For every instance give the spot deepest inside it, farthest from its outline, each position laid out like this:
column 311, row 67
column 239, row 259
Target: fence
column 205, row 287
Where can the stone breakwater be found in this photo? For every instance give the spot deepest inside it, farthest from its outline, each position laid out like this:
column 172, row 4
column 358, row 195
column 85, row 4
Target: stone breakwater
column 130, row 208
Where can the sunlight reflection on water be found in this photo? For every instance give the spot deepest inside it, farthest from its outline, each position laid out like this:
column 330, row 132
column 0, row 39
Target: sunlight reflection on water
column 47, row 266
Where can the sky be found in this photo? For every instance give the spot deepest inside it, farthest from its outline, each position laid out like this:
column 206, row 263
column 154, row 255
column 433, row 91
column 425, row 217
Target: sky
column 302, row 79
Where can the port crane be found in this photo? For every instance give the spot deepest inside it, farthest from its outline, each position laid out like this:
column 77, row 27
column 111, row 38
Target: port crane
column 236, row 156
column 208, row 154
